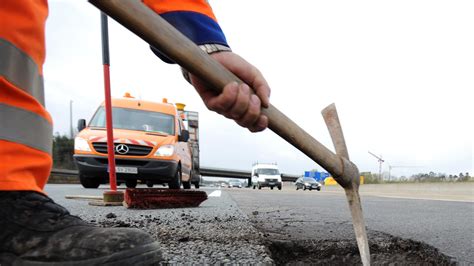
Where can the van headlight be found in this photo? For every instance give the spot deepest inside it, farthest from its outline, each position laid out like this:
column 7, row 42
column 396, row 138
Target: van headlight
column 81, row 144
column 165, row 150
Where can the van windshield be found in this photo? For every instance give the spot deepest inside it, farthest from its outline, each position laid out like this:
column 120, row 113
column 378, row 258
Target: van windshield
column 267, row 171
column 124, row 118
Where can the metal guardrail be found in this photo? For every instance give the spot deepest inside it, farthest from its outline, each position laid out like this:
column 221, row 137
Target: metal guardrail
column 64, row 172
column 289, row 178
column 205, row 171
column 221, row 172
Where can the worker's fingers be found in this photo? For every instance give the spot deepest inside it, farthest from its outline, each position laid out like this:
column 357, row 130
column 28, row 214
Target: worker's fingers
column 241, row 103
column 263, row 92
column 260, row 125
column 222, row 103
column 252, row 113
column 202, row 89
column 247, row 73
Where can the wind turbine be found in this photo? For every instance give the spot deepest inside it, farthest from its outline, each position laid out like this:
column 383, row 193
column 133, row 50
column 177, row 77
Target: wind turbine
column 380, row 160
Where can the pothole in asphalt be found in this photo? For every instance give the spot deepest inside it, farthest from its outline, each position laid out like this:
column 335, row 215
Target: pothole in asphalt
column 385, row 250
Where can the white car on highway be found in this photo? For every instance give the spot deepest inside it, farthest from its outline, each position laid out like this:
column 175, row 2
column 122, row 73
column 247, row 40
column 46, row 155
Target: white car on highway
column 235, row 183
column 266, row 175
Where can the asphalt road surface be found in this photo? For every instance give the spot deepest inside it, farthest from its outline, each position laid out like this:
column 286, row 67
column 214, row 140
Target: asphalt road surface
column 252, row 226
column 440, row 216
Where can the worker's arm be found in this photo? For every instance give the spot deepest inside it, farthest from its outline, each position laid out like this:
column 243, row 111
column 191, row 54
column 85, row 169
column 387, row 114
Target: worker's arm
column 195, row 19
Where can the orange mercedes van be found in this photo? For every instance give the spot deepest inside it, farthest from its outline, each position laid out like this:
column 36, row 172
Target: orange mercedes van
column 151, row 145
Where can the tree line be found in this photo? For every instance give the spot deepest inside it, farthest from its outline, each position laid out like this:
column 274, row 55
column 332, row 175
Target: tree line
column 63, row 150
column 372, row 178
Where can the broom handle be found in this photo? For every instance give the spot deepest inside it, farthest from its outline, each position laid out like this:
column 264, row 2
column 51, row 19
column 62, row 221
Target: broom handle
column 144, row 22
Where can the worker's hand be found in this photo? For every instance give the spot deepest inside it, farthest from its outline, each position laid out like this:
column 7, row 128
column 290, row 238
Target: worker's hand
column 236, row 101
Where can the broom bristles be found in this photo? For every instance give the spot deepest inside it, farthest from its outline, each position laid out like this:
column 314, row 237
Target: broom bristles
column 158, row 198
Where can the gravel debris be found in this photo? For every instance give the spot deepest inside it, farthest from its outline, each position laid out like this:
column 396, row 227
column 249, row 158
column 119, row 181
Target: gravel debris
column 214, row 233
column 111, row 215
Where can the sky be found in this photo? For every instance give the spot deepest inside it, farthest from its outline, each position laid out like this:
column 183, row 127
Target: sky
column 401, row 74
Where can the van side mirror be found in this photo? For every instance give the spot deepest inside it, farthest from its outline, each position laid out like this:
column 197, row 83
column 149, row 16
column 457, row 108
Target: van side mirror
column 184, row 135
column 81, row 124
column 256, row 174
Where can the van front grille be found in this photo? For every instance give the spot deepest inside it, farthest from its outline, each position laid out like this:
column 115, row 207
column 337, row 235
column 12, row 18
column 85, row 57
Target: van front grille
column 133, row 150
column 123, row 162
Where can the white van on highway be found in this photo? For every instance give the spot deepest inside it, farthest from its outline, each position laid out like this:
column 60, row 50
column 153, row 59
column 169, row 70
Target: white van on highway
column 266, row 175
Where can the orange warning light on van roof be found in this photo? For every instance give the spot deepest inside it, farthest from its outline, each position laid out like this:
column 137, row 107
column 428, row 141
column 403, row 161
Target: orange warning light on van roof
column 128, row 95
column 180, row 106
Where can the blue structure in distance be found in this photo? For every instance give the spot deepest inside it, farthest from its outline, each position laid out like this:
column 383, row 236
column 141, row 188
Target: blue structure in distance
column 319, row 176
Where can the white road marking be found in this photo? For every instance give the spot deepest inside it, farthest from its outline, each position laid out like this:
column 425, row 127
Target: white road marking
column 215, row 193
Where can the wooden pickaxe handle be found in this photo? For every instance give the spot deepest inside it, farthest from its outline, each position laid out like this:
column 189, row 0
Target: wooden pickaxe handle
column 145, row 23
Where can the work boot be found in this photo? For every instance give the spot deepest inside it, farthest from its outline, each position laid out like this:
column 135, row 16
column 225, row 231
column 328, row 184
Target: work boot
column 36, row 231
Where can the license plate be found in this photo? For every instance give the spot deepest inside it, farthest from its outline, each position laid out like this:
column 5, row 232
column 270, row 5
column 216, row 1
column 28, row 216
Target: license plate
column 271, row 183
column 126, row 170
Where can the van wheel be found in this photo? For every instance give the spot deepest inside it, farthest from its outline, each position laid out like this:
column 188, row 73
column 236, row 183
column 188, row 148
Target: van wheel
column 279, row 187
column 253, row 186
column 196, row 185
column 89, row 182
column 187, row 185
column 176, row 182
column 271, row 188
column 131, row 183
column 259, row 187
column 149, row 183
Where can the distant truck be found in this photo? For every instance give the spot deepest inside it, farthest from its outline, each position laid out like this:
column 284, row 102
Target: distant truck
column 266, row 175
column 154, row 143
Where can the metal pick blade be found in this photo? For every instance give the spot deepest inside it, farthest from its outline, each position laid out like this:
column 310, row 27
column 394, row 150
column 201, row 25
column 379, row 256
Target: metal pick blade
column 349, row 181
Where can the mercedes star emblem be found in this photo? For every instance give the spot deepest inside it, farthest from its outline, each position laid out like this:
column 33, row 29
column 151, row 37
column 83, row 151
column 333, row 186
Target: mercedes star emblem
column 121, row 149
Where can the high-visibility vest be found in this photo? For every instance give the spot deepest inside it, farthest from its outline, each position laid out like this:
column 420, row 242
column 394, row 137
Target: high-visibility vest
column 25, row 125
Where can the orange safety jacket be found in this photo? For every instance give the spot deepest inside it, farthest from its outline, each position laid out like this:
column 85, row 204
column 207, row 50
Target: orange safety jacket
column 25, row 125
column 26, row 130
